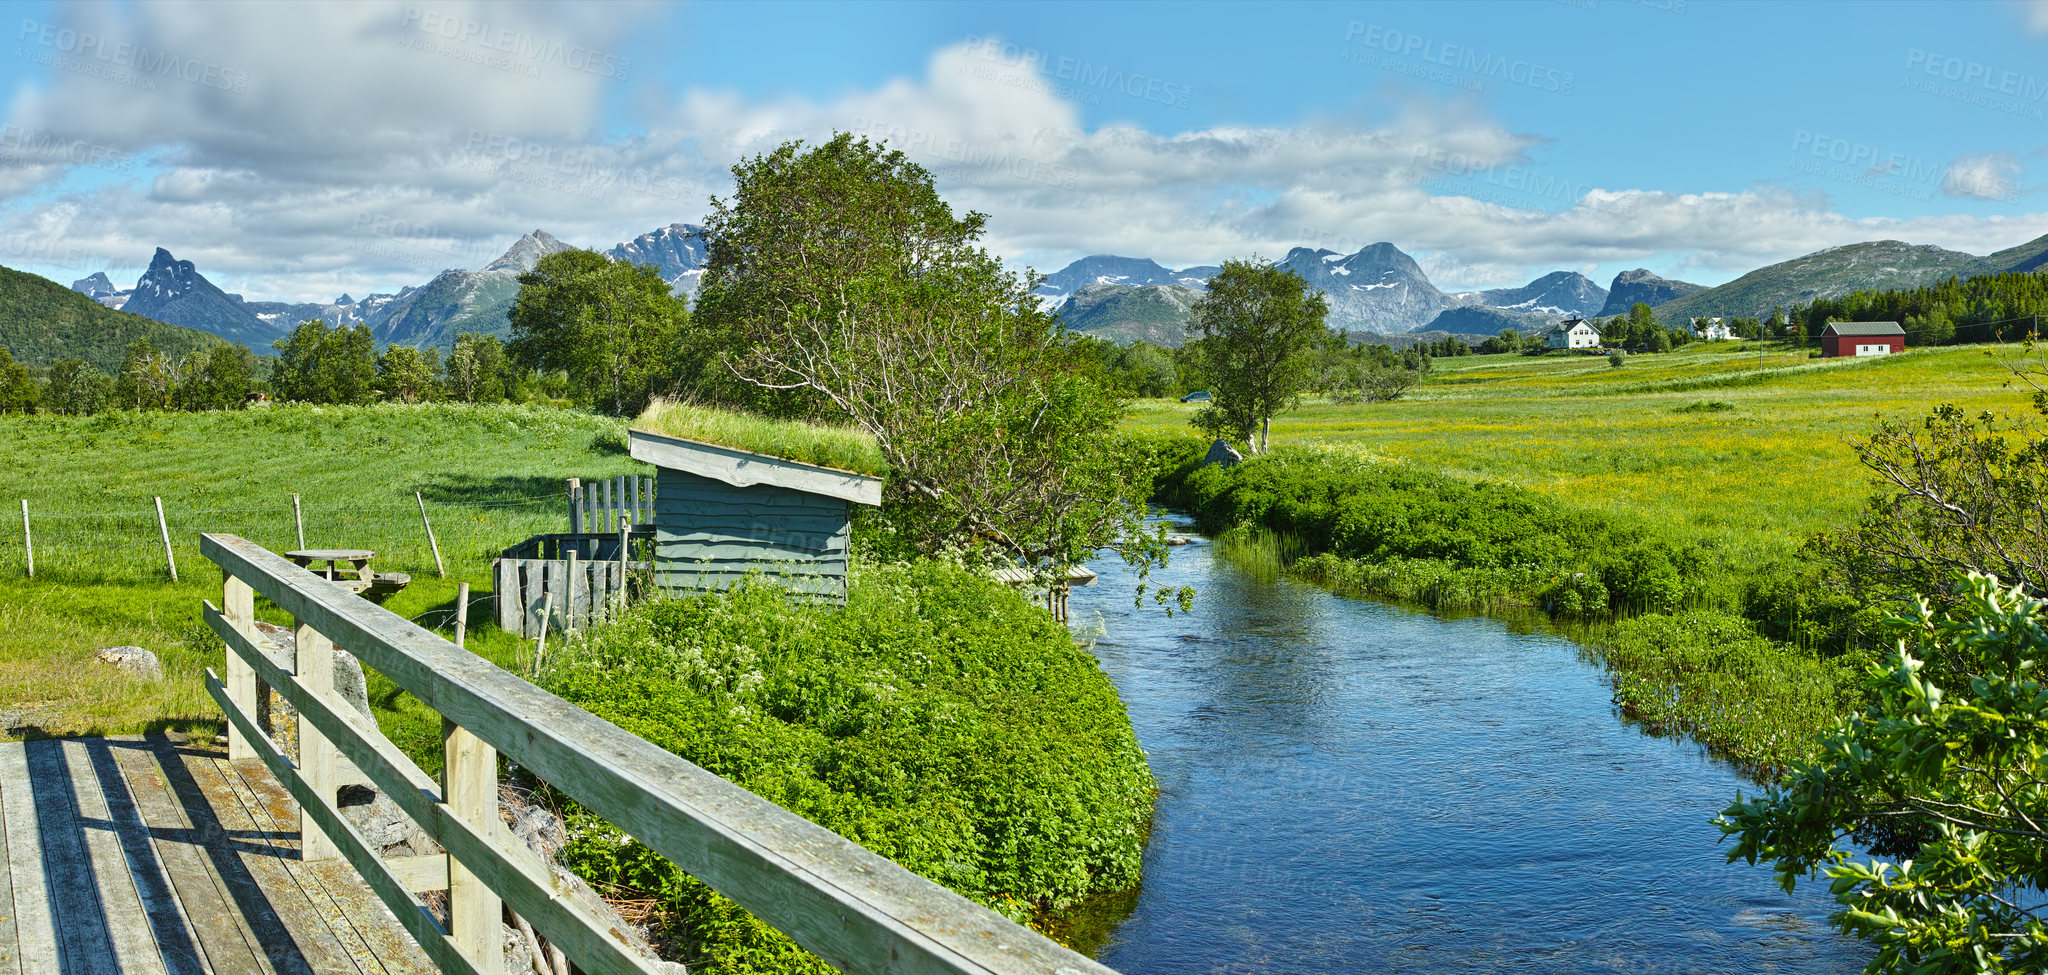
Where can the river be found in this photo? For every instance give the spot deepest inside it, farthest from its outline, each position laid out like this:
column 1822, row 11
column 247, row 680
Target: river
column 1349, row 786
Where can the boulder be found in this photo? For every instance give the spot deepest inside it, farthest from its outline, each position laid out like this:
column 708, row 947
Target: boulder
column 133, row 661
column 1221, row 452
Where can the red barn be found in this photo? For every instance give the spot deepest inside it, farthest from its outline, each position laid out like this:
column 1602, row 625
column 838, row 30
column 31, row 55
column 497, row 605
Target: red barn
column 1862, row 338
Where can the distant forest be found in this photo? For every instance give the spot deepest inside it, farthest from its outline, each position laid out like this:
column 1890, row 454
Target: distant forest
column 2002, row 307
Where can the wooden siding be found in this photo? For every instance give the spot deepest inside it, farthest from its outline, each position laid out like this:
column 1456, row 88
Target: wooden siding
column 709, row 535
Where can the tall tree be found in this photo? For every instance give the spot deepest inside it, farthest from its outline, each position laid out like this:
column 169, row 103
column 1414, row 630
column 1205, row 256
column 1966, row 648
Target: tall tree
column 76, row 387
column 316, row 364
column 408, row 375
column 18, row 390
column 1256, row 324
column 612, row 326
column 848, row 287
column 476, row 369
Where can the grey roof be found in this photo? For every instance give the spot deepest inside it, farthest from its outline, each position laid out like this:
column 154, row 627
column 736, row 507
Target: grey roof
column 1864, row 328
column 744, row 468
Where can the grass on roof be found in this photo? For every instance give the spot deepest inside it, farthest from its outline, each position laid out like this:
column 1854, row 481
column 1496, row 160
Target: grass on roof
column 843, row 448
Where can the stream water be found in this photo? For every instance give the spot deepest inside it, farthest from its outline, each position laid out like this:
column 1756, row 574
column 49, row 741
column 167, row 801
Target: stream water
column 1348, row 786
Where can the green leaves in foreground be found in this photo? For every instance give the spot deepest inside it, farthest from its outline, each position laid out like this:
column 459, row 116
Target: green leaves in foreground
column 1949, row 777
column 939, row 719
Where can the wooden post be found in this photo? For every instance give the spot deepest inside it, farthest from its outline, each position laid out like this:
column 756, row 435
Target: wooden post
column 238, row 604
column 608, row 520
column 440, row 571
column 575, row 509
column 569, row 597
column 165, row 527
column 625, row 541
column 314, row 671
column 28, row 541
column 461, row 613
column 469, row 786
column 299, row 519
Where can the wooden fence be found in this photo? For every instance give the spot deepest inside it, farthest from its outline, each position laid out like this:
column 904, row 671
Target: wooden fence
column 858, row 911
column 597, row 506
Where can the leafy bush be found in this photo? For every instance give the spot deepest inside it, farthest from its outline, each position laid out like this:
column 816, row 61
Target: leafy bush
column 1700, row 674
column 939, row 720
column 1539, row 547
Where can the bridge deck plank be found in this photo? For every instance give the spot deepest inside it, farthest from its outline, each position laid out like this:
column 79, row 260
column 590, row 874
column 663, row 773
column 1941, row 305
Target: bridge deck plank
column 157, row 855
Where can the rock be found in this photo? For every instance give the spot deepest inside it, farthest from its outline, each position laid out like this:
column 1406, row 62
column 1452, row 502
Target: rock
column 348, row 671
column 1221, row 452
column 134, row 661
column 383, row 824
column 545, row 834
column 1178, row 540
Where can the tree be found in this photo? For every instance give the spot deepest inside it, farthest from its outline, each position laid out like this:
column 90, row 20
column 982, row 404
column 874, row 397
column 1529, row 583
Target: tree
column 316, row 364
column 842, row 286
column 612, row 326
column 147, row 379
column 477, row 369
column 1616, row 358
column 406, row 374
column 216, row 379
column 1256, row 323
column 1963, row 762
column 18, row 390
column 1660, row 340
column 76, row 388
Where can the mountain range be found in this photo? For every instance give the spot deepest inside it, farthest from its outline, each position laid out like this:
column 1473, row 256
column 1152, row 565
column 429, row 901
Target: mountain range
column 430, row 315
column 1378, row 290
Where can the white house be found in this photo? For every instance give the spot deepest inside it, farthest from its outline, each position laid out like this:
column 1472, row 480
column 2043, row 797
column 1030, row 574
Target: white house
column 1711, row 329
column 1572, row 333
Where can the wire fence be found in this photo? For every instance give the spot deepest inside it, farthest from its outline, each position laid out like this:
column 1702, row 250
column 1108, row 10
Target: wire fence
column 129, row 546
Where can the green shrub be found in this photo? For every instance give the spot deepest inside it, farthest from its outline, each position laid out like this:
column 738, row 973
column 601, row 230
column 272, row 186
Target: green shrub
column 1711, row 677
column 939, row 720
column 1539, row 551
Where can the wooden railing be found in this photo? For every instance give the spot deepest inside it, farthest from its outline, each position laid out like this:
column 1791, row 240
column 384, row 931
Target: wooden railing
column 858, row 911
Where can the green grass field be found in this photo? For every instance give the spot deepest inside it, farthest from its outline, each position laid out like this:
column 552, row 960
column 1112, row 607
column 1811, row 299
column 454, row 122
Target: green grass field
column 490, row 476
column 1751, row 458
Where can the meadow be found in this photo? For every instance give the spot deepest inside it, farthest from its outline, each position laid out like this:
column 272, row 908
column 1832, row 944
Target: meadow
column 1746, row 458
column 490, row 476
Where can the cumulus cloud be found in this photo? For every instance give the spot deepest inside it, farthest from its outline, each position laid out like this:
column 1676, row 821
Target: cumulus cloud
column 1986, row 176
column 296, row 151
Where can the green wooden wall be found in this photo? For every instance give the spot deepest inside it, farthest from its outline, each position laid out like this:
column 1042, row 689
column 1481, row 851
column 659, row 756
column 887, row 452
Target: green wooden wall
column 709, row 535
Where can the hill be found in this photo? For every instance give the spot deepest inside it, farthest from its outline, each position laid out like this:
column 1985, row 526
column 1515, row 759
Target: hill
column 1639, row 285
column 1482, row 320
column 1122, row 313
column 1879, row 265
column 42, row 321
column 1559, row 294
column 458, row 301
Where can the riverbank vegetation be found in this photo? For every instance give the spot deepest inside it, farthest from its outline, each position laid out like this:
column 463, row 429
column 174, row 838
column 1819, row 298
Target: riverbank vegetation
column 940, row 720
column 1616, row 502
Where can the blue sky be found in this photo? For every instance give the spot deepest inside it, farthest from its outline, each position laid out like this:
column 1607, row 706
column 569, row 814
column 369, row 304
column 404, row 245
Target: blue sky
column 295, row 151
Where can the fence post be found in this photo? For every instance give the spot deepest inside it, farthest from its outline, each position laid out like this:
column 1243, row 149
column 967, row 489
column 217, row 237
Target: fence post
column 164, row 527
column 461, row 613
column 314, row 670
column 440, row 571
column 625, row 540
column 299, row 519
column 569, row 600
column 28, row 541
column 238, row 604
column 470, row 788
column 575, row 506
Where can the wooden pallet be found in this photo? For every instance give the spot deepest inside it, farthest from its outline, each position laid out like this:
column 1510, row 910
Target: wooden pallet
column 156, row 854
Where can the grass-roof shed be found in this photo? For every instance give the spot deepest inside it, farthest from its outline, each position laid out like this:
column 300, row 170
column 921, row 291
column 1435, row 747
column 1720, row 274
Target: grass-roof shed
column 722, row 514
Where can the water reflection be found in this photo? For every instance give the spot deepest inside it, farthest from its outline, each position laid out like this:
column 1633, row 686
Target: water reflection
column 1348, row 786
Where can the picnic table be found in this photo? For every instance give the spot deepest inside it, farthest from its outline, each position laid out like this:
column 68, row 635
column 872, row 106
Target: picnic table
column 358, row 560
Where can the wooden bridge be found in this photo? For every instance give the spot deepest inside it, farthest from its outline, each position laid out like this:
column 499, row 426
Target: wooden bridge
column 163, row 855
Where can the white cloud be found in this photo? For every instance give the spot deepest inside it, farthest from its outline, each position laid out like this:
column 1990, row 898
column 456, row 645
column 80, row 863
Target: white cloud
column 368, row 148
column 1986, row 176
column 2037, row 15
